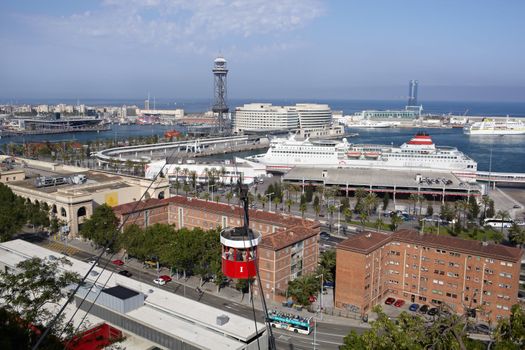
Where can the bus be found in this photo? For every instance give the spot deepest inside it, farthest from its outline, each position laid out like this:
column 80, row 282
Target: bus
column 291, row 322
column 499, row 223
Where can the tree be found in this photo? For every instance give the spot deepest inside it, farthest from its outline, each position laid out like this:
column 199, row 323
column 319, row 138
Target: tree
column 370, row 203
column 363, row 218
column 264, row 200
column 177, row 186
column 12, row 213
column 331, row 210
column 491, row 211
column 309, row 193
column 516, row 235
column 101, row 227
column 302, row 288
column 27, row 293
column 430, row 210
column 485, row 200
column 347, row 214
column 327, row 265
column 410, row 332
column 206, row 196
column 395, row 221
column 37, row 214
column 473, row 208
column 289, row 203
column 386, row 200
column 510, row 332
column 229, row 196
column 302, row 208
column 379, row 223
column 503, row 215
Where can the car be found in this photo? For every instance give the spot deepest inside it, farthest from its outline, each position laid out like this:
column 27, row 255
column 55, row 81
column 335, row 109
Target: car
column 118, row 262
column 399, row 303
column 483, row 328
column 389, row 301
column 433, row 311
column 413, row 307
column 92, row 262
column 516, row 206
column 329, row 284
column 162, row 280
column 125, row 273
column 423, row 309
column 324, row 235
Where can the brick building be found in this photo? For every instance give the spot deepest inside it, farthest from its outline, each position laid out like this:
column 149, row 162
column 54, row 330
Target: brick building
column 427, row 269
column 289, row 246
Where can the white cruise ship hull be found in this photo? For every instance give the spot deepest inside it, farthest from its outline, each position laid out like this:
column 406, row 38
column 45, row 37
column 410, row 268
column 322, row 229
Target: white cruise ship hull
column 495, row 132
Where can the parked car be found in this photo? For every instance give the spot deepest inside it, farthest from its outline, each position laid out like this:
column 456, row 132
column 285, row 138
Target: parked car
column 433, row 311
column 399, row 303
column 413, row 307
column 118, row 262
column 483, row 328
column 162, row 280
column 389, row 301
column 92, row 262
column 324, row 235
column 125, row 273
column 423, row 309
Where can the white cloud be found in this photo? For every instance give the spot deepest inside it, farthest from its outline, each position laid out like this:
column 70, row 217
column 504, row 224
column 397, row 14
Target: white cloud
column 184, row 25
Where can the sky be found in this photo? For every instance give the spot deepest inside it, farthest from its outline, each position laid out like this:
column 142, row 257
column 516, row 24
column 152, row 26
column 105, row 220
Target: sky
column 313, row 49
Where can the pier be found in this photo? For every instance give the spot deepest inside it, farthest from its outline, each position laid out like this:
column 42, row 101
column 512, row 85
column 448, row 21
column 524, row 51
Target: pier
column 181, row 149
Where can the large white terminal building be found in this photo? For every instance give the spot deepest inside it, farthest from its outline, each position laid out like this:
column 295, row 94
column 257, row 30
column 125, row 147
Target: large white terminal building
column 265, row 116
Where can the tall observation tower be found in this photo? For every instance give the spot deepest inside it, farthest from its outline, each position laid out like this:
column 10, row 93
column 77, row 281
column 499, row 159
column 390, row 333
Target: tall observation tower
column 220, row 108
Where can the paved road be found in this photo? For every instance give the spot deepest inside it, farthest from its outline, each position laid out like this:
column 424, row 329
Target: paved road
column 328, row 335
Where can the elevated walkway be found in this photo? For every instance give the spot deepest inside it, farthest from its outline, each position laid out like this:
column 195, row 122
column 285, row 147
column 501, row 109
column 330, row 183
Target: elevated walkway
column 486, row 176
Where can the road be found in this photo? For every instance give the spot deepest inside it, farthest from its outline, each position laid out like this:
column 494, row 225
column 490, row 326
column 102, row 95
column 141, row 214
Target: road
column 328, row 335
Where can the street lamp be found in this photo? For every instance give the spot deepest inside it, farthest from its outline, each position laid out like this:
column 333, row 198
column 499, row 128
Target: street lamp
column 321, row 294
column 269, row 195
column 338, row 218
column 212, row 186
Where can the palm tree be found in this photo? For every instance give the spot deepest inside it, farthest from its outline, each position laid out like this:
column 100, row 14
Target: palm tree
column 363, row 217
column 370, row 202
column 485, row 200
column 414, row 198
column 331, row 210
column 503, row 215
column 229, row 196
column 289, row 202
column 193, row 175
column 206, row 196
column 176, row 186
column 264, row 200
column 302, row 208
column 276, row 200
column 317, row 209
column 186, row 188
column 395, row 220
column 347, row 212
column 379, row 223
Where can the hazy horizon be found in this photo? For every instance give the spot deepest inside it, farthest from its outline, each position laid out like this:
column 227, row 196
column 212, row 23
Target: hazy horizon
column 312, row 49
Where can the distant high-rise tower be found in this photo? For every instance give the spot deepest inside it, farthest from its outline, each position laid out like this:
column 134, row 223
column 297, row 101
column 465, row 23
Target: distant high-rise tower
column 220, row 108
column 412, row 93
column 146, row 103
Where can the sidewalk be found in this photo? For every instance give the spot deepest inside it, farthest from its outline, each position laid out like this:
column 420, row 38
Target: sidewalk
column 229, row 294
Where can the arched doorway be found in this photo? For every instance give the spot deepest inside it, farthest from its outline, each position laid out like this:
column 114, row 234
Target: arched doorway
column 81, row 211
column 161, row 195
column 63, row 212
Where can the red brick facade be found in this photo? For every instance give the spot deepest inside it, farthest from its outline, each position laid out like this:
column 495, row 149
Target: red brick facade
column 289, row 246
column 427, row 269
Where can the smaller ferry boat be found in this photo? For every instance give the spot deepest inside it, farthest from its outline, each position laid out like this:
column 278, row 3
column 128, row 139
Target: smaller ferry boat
column 489, row 126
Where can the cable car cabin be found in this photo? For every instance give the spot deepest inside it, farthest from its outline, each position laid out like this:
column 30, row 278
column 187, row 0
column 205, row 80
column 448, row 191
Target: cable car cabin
column 239, row 252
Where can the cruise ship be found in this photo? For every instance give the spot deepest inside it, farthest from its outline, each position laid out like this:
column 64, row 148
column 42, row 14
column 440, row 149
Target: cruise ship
column 490, row 126
column 418, row 153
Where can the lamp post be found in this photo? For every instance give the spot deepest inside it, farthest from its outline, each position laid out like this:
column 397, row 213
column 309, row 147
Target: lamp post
column 269, row 195
column 321, row 295
column 212, row 186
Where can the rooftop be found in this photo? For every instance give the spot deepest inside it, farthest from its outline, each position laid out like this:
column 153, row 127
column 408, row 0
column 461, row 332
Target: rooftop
column 120, row 292
column 367, row 242
column 364, row 242
column 490, row 250
column 282, row 239
column 172, row 314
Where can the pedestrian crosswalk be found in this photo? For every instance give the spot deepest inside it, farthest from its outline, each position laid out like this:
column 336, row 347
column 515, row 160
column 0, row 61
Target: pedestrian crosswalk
column 61, row 247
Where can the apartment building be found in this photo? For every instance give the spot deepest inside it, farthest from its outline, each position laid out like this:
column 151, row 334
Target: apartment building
column 427, row 269
column 289, row 246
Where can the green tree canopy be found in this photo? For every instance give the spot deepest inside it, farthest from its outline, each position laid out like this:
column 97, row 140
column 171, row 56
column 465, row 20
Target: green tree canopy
column 510, row 332
column 101, row 227
column 13, row 214
column 302, row 288
column 28, row 291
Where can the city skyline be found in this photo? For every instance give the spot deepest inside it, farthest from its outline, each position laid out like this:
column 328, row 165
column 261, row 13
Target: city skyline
column 312, row 49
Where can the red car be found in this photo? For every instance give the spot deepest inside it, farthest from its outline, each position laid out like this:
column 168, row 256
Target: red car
column 118, row 262
column 389, row 301
column 399, row 303
column 162, row 280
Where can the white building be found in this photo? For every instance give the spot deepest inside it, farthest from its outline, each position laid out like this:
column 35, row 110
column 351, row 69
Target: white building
column 313, row 116
column 145, row 311
column 265, row 116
